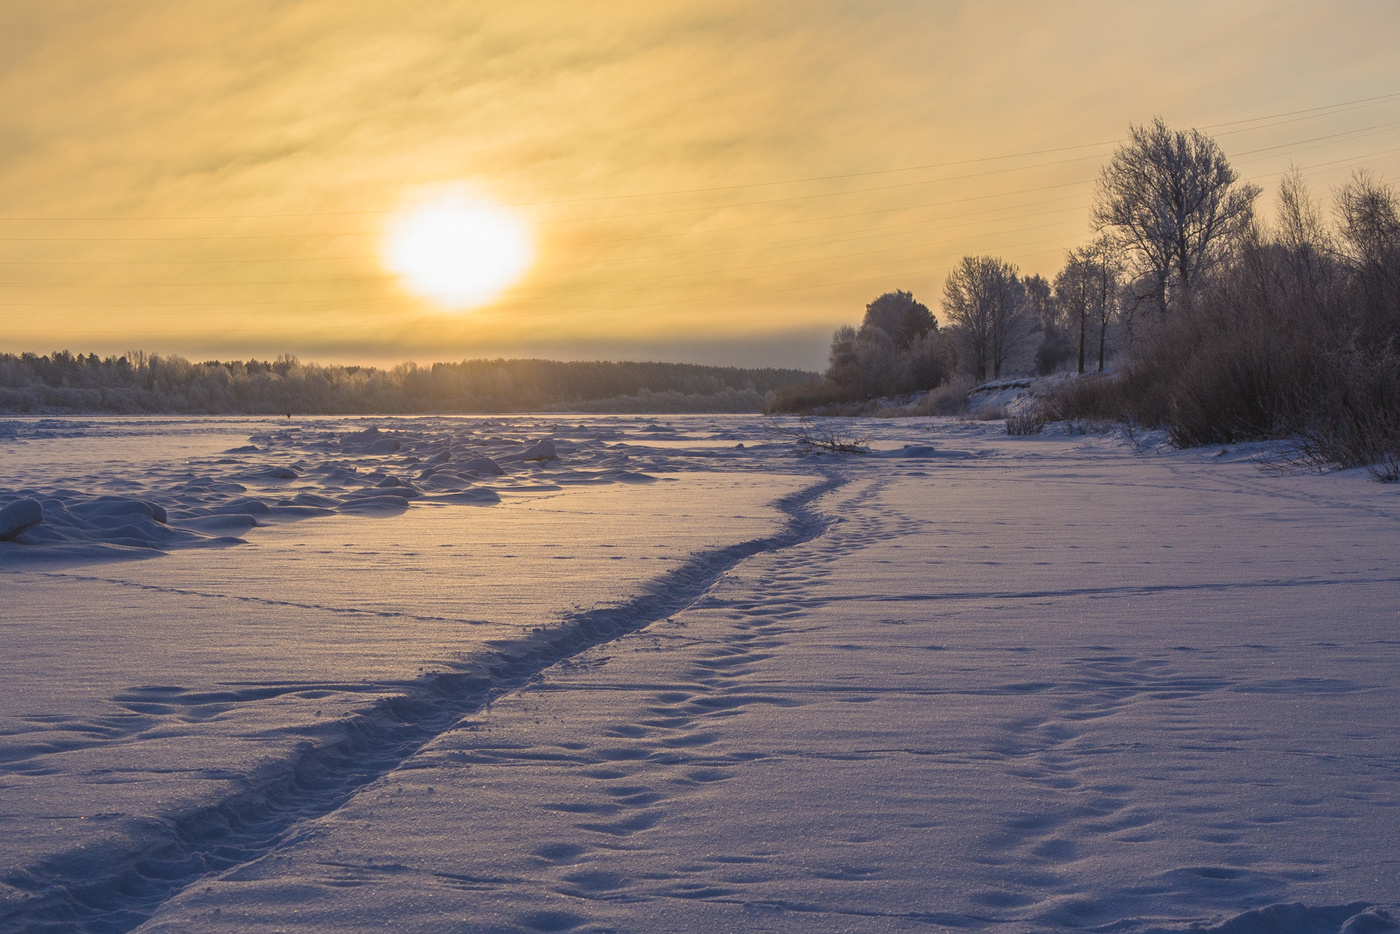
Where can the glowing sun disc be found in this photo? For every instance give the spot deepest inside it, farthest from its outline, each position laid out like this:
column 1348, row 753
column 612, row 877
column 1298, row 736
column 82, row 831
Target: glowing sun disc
column 457, row 251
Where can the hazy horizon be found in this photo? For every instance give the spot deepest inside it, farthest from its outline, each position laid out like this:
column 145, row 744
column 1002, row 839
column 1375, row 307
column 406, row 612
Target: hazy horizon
column 807, row 352
column 721, row 185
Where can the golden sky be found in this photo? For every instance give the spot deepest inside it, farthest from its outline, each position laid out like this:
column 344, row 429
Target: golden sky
column 711, row 181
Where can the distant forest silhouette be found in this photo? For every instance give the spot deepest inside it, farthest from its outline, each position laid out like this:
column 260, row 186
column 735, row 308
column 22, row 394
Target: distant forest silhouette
column 143, row 383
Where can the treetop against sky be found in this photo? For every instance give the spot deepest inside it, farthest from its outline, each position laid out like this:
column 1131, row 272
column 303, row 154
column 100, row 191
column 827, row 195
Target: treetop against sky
column 716, row 182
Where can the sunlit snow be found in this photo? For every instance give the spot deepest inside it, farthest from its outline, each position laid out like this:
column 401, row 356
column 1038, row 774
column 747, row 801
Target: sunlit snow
column 673, row 674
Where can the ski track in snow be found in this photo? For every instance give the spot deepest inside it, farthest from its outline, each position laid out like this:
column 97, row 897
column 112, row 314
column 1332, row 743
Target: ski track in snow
column 114, row 887
column 753, row 742
column 616, row 765
column 116, row 890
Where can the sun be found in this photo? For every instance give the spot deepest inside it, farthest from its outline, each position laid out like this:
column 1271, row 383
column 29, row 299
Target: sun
column 457, row 250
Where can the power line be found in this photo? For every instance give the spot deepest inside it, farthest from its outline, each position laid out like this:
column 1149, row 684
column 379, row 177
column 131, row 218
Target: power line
column 1359, row 133
column 1343, row 106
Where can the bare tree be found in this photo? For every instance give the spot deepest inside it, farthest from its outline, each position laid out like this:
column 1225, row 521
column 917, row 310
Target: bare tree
column 1108, row 287
column 1050, row 320
column 1300, row 223
column 1087, row 288
column 970, row 311
column 1040, row 301
column 1369, row 211
column 844, row 360
column 1369, row 215
column 1073, row 291
column 984, row 298
column 1304, row 236
column 1011, row 317
column 1170, row 199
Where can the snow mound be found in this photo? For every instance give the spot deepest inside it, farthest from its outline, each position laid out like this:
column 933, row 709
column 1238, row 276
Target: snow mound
column 273, row 472
column 918, row 451
column 1297, row 918
column 119, row 507
column 286, row 473
column 368, row 436
column 476, row 497
column 1010, row 395
column 370, row 441
column 482, row 465
column 540, row 451
column 18, row 516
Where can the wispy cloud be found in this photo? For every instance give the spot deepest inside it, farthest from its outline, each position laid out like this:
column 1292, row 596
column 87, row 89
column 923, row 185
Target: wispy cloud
column 281, row 127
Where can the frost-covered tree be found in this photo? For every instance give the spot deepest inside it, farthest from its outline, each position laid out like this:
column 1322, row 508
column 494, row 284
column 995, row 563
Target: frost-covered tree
column 1368, row 213
column 1309, row 248
column 862, row 363
column 985, row 299
column 843, row 362
column 900, row 316
column 1087, row 289
column 897, row 349
column 1040, row 301
column 1054, row 346
column 1171, row 202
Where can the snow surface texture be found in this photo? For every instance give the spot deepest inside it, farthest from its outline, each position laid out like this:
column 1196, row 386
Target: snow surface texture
column 968, row 682
column 131, row 494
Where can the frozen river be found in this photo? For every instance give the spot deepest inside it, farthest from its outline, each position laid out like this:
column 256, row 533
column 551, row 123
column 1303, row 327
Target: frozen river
column 541, row 674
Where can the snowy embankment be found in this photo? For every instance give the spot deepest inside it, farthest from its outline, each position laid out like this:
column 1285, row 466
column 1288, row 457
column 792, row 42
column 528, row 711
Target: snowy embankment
column 970, row 682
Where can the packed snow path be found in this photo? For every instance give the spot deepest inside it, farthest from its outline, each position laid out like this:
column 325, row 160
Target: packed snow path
column 1051, row 684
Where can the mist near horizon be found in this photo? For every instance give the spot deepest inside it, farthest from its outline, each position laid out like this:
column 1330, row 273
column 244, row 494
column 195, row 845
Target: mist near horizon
column 801, row 350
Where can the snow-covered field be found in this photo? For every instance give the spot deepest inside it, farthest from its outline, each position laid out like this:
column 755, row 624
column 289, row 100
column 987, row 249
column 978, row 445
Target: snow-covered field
column 676, row 677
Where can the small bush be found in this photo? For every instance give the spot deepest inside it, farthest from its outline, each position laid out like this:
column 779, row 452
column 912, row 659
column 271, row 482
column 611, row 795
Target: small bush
column 1352, row 418
column 825, row 438
column 1094, row 398
column 1089, row 426
column 804, row 397
column 948, row 399
column 1030, row 421
column 987, row 413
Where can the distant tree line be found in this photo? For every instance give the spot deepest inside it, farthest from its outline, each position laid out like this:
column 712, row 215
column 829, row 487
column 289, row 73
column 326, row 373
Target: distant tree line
column 1219, row 327
column 139, row 382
